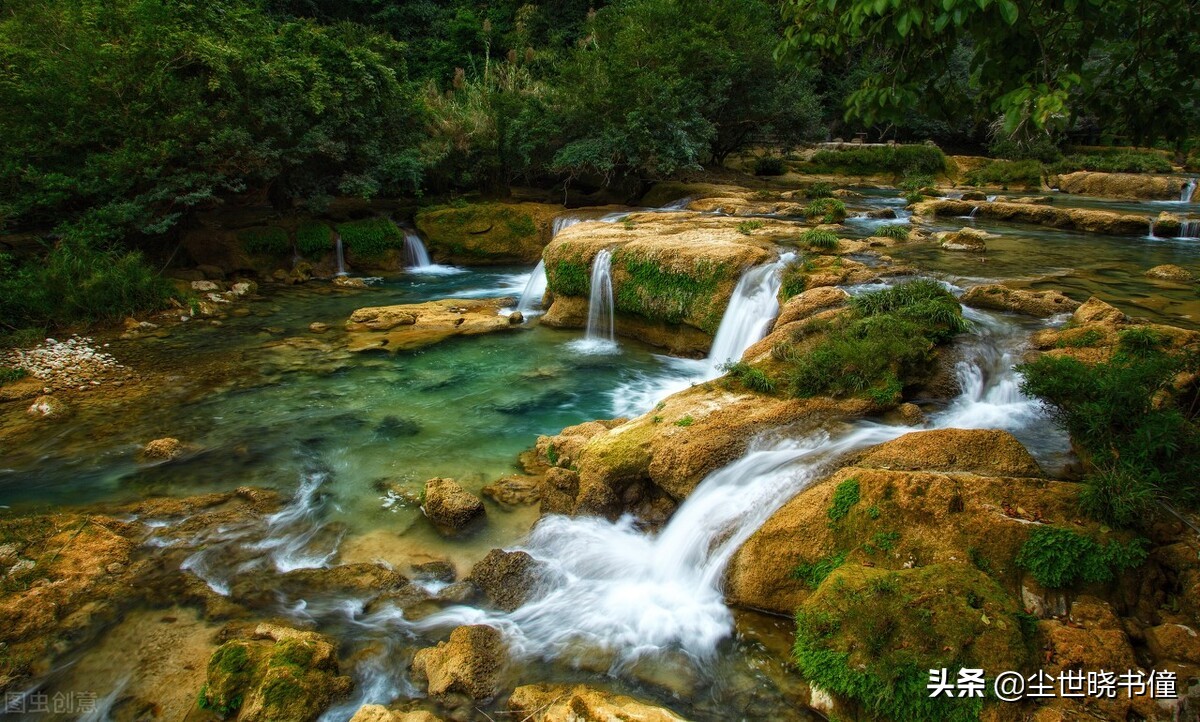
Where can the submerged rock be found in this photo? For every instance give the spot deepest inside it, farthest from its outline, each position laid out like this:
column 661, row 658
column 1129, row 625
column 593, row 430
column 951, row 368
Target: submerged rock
column 580, row 703
column 515, row 490
column 508, row 579
column 164, row 449
column 471, row 662
column 1042, row 304
column 1169, row 272
column 449, row 506
column 49, row 407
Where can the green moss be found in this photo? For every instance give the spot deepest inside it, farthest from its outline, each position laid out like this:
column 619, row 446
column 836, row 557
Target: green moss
column 815, row 572
column 845, row 496
column 314, row 239
column 568, row 278
column 230, row 673
column 266, row 240
column 751, row 377
column 284, row 695
column 484, row 231
column 1061, row 557
column 650, row 291
column 685, row 421
column 873, row 635
column 369, row 239
column 793, row 281
column 293, row 652
column 552, row 455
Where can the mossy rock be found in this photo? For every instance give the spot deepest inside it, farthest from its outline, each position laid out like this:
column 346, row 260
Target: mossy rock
column 370, row 240
column 487, row 233
column 314, row 240
column 871, row 636
column 265, row 241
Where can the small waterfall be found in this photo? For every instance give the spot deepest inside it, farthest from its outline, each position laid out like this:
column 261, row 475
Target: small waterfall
column 600, row 303
column 748, row 317
column 1150, row 233
column 974, row 210
column 1189, row 228
column 1189, row 189
column 535, row 288
column 415, row 255
column 341, row 255
column 992, row 199
column 679, row 205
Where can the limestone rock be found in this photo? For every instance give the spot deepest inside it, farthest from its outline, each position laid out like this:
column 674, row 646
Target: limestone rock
column 449, row 506
column 410, row 326
column 966, row 239
column 1042, row 304
column 1169, row 272
column 49, row 407
column 564, row 703
column 164, row 449
column 1132, row 186
column 1174, row 642
column 977, row 451
column 471, row 663
column 487, row 233
column 515, row 490
column 349, row 282
column 318, row 327
column 508, row 579
column 379, row 713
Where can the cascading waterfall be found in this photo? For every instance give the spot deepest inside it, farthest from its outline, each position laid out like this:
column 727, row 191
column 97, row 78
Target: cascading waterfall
column 341, row 256
column 1150, row 232
column 1189, row 228
column 974, row 210
column 600, row 303
column 1189, row 189
column 679, row 205
column 415, row 255
column 612, row 591
column 535, row 289
column 748, row 317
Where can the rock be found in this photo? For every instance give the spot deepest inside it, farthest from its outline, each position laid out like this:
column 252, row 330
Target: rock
column 1042, row 304
column 49, row 407
column 449, row 506
column 966, row 239
column 911, row 414
column 277, row 674
column 318, row 327
column 977, row 451
column 487, row 233
column 974, row 196
column 1169, row 272
column 559, row 490
column 508, row 579
column 471, row 663
column 1174, row 642
column 1096, row 311
column 242, row 289
column 205, row 286
column 516, row 317
column 410, row 326
column 1132, row 186
column 804, row 305
column 379, row 713
column 882, row 213
column 515, row 490
column 580, row 703
column 1079, row 219
column 164, row 449
column 349, row 282
column 438, row 570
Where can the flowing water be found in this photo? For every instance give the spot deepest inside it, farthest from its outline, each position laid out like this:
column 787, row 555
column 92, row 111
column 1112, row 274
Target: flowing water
column 416, row 258
column 340, row 253
column 599, row 337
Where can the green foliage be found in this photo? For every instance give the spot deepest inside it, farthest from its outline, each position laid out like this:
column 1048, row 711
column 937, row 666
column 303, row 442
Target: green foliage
column 1116, row 161
column 370, row 238
column 1137, row 450
column 314, row 239
column 769, row 165
column 748, row 227
column 811, row 574
column 8, row 374
column 1006, row 173
column 793, row 282
column 751, row 377
column 1037, row 146
column 267, row 240
column 1089, row 337
column 819, row 238
column 845, row 496
column 685, row 421
column 818, row 190
column 897, row 232
column 889, row 336
column 1060, row 557
column 552, row 455
column 652, row 291
column 569, row 278
column 874, row 160
column 829, row 210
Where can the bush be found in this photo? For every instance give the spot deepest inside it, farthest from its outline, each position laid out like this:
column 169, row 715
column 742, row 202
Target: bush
column 1058, row 557
column 897, row 232
column 769, row 165
column 1115, row 161
column 1139, row 442
column 748, row 227
column 819, row 238
column 370, row 238
column 1040, row 148
column 897, row 160
column 265, row 241
column 314, row 239
column 818, row 190
column 829, row 210
column 750, row 377
column 8, row 374
column 793, row 280
column 1005, row 173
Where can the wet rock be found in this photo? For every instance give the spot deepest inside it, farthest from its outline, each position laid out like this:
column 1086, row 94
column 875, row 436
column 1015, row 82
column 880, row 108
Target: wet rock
column 516, row 317
column 278, row 673
column 515, row 490
column 911, row 414
column 977, row 451
column 559, row 490
column 471, row 662
column 205, row 286
column 410, row 326
column 974, row 196
column 363, row 579
column 438, row 570
column 966, row 239
column 564, row 703
column 396, row 427
column 805, row 305
column 164, row 449
column 508, row 579
column 1079, row 219
column 379, row 713
column 1132, row 186
column 318, row 327
column 49, row 407
column 464, row 592
column 1096, row 311
column 349, row 282
column 1042, row 304
column 1169, row 272
column 882, row 213
column 449, row 506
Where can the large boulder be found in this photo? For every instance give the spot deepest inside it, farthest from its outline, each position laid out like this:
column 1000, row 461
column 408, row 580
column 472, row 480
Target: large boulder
column 379, row 713
column 487, row 233
column 416, row 325
column 449, row 506
column 1171, row 272
column 277, row 673
column 564, row 703
column 1132, row 186
column 471, row 662
column 965, row 239
column 997, row 297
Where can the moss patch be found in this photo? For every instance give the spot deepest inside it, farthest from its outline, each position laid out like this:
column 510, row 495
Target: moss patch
column 649, row 290
column 568, row 278
column 486, row 232
column 265, row 240
column 314, row 239
column 371, row 238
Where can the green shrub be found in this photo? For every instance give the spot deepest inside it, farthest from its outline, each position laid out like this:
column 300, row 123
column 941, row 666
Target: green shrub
column 1059, row 557
column 8, row 374
column 818, row 190
column 748, row 227
column 829, row 210
column 769, row 165
column 314, row 239
column 793, row 281
column 1040, row 148
column 751, row 377
column 845, row 496
column 370, row 238
column 1115, row 161
column 897, row 160
column 819, row 238
column 1005, row 173
column 898, row 232
column 1136, row 450
column 265, row 241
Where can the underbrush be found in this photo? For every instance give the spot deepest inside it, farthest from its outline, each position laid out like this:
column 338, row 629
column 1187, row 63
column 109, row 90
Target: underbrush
column 314, row 240
column 1006, row 173
column 370, row 238
column 896, row 160
column 1058, row 557
column 1115, row 161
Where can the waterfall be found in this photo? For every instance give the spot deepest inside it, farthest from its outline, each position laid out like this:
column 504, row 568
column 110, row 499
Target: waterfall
column 600, row 303
column 415, row 255
column 992, row 199
column 535, row 288
column 1151, row 232
column 974, row 210
column 679, row 205
column 1189, row 189
column 341, row 256
column 615, row 593
column 1189, row 228
column 748, row 317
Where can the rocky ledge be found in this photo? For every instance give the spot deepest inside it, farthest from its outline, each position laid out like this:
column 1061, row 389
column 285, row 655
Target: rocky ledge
column 410, row 326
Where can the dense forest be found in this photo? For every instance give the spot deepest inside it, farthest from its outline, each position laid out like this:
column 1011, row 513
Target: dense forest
column 125, row 116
